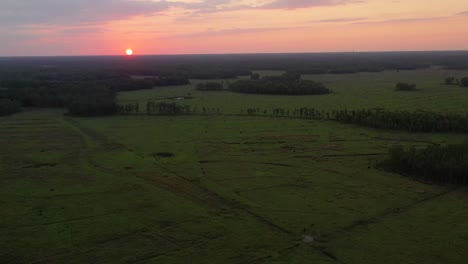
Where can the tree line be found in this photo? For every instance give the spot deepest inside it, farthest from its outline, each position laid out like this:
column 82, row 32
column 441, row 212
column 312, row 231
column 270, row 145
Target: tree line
column 463, row 82
column 443, row 164
column 165, row 108
column 81, row 92
column 289, row 83
column 8, row 107
column 93, row 101
column 229, row 66
column 417, row 121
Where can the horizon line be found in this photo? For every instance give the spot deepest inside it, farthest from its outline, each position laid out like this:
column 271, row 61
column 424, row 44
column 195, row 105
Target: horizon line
column 228, row 53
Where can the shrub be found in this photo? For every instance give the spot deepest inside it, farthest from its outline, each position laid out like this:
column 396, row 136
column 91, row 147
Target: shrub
column 405, row 87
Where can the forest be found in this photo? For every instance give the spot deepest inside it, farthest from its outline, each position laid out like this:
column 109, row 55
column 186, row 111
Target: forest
column 233, row 65
column 418, row 121
column 81, row 92
column 444, row 164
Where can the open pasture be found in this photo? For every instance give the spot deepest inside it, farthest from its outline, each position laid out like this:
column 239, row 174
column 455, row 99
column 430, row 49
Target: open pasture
column 350, row 91
column 211, row 189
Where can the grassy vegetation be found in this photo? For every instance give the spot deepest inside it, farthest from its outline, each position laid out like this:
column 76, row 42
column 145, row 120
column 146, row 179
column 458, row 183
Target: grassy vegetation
column 350, row 91
column 227, row 188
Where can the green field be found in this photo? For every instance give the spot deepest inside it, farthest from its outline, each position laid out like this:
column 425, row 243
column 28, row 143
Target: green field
column 227, row 188
column 351, row 91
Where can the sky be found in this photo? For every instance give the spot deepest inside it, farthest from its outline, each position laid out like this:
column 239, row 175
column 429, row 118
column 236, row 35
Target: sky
column 109, row 27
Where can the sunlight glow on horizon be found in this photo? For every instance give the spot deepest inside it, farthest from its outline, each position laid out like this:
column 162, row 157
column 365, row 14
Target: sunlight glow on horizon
column 202, row 27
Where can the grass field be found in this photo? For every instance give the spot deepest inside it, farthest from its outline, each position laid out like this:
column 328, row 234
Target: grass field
column 351, row 91
column 229, row 189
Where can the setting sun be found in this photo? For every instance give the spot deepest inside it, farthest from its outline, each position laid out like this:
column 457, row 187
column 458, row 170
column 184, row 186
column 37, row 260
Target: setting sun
column 129, row 52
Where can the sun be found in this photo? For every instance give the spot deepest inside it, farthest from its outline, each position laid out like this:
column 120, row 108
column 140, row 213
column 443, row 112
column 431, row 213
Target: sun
column 129, row 52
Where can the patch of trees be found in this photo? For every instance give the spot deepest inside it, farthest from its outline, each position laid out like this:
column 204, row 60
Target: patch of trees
column 444, row 164
column 287, row 84
column 420, row 121
column 81, row 91
column 84, row 99
column 93, row 102
column 255, row 111
column 254, row 76
column 405, row 87
column 128, row 84
column 210, row 86
column 451, row 81
column 164, row 108
column 8, row 107
column 127, row 109
column 215, row 73
column 464, row 82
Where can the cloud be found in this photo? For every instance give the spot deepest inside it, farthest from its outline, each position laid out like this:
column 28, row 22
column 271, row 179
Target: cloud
column 208, row 4
column 23, row 12
column 338, row 20
column 79, row 12
column 464, row 13
column 232, row 31
column 405, row 20
column 295, row 4
column 81, row 31
column 214, row 6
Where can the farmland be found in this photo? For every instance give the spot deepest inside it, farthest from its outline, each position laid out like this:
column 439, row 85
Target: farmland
column 231, row 187
column 351, row 91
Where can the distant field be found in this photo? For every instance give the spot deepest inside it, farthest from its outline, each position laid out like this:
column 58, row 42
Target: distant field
column 230, row 189
column 351, row 91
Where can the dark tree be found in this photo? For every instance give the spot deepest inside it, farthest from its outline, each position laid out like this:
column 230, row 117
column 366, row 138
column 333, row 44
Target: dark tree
column 464, row 82
column 164, row 108
column 8, row 107
column 405, row 87
column 254, row 76
column 451, row 81
column 94, row 101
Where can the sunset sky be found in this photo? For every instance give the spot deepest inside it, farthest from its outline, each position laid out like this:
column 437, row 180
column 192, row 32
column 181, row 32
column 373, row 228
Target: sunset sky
column 107, row 27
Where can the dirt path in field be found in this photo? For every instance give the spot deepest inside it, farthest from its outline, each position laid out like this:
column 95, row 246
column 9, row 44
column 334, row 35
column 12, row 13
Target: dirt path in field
column 170, row 180
column 186, row 188
column 389, row 213
column 402, row 140
column 254, row 162
column 341, row 155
